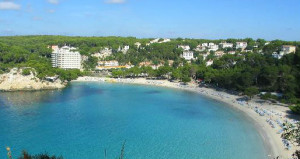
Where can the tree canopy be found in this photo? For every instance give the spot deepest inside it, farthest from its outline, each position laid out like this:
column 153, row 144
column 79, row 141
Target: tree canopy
column 241, row 71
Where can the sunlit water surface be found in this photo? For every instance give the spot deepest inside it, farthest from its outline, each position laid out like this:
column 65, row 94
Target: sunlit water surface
column 89, row 120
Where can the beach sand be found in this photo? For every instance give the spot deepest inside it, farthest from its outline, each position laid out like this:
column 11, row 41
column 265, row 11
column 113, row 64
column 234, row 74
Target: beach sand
column 271, row 139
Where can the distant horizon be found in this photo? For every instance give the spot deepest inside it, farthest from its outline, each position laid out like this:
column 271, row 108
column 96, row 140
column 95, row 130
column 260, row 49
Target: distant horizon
column 199, row 19
column 150, row 37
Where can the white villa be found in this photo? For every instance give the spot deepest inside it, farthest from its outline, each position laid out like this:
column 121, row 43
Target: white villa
column 226, row 45
column 158, row 40
column 211, row 44
column 137, row 44
column 209, row 63
column 287, row 49
column 65, row 57
column 124, row 49
column 108, row 63
column 154, row 41
column 219, row 53
column 164, row 41
column 277, row 55
column 213, row 47
column 205, row 55
column 184, row 47
column 241, row 45
column 231, row 52
column 188, row 55
column 84, row 58
column 204, row 45
column 103, row 53
column 200, row 48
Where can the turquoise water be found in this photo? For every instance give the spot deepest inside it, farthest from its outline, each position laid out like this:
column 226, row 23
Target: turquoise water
column 87, row 119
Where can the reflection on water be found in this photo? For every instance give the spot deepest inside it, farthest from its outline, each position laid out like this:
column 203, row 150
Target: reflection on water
column 23, row 98
column 26, row 98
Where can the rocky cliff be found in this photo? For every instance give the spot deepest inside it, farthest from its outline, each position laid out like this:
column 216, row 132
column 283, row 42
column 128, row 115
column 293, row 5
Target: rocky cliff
column 15, row 80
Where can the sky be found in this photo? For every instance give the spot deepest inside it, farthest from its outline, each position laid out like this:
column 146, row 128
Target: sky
column 205, row 19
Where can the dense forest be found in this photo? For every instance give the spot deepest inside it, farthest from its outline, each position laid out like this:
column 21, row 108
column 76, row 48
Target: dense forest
column 248, row 72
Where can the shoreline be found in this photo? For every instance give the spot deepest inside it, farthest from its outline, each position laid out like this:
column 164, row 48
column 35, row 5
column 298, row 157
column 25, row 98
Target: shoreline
column 271, row 139
column 33, row 90
column 16, row 81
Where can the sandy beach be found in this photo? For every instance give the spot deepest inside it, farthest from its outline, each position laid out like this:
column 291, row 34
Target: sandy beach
column 272, row 112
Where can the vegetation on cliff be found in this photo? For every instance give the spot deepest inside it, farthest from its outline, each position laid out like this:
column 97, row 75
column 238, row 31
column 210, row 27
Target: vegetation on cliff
column 244, row 71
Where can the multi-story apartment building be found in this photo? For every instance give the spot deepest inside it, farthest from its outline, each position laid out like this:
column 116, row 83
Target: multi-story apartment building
column 65, row 57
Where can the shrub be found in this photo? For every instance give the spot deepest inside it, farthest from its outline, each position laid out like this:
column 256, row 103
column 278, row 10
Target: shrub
column 295, row 109
column 269, row 96
column 186, row 79
column 26, row 155
column 251, row 91
column 26, row 72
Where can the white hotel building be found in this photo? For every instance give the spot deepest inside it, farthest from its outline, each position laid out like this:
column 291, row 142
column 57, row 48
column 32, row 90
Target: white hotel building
column 65, row 57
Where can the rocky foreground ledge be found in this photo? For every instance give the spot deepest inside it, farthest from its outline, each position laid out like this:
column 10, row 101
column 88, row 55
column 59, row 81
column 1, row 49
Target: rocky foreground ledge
column 16, row 81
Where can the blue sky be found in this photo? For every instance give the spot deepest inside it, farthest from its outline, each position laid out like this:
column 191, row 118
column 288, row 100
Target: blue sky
column 210, row 19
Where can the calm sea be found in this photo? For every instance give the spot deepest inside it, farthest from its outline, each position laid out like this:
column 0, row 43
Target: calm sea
column 93, row 120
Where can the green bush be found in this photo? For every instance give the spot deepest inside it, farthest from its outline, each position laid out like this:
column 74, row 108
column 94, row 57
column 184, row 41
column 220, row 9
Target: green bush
column 186, row 79
column 26, row 72
column 251, row 91
column 269, row 96
column 26, row 155
column 295, row 109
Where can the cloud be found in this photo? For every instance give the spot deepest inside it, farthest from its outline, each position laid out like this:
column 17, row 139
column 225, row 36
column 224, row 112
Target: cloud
column 115, row 1
column 9, row 6
column 53, row 1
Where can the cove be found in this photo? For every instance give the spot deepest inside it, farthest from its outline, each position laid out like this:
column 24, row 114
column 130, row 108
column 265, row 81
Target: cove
column 87, row 119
